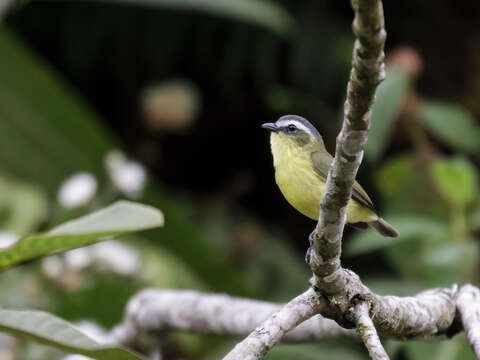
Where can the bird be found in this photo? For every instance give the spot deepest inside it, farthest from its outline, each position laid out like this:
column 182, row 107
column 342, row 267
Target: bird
column 301, row 164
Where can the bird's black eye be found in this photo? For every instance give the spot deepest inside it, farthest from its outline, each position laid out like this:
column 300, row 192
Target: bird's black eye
column 291, row 128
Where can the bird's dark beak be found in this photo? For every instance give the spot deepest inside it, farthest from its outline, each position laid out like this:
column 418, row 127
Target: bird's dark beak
column 270, row 127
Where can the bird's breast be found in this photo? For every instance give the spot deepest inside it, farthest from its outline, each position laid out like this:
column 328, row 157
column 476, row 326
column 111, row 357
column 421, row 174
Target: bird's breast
column 300, row 185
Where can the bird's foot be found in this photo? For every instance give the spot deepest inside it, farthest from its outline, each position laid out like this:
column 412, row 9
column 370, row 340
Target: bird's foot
column 309, row 250
column 310, row 238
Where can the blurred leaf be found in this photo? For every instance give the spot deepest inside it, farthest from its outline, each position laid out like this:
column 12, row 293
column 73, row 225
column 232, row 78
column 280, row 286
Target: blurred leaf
column 119, row 218
column 50, row 330
column 263, row 13
column 456, row 180
column 26, row 205
column 408, row 226
column 396, row 174
column 453, row 262
column 451, row 349
column 452, row 124
column 46, row 133
column 389, row 99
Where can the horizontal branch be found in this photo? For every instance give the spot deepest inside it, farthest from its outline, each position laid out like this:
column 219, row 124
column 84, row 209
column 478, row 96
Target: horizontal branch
column 427, row 315
column 367, row 332
column 154, row 310
column 468, row 304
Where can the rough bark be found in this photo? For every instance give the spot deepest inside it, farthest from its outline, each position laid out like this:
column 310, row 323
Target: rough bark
column 156, row 311
column 368, row 333
column 468, row 304
column 272, row 330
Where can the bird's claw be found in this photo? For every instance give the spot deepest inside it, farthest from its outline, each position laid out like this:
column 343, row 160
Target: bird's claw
column 309, row 250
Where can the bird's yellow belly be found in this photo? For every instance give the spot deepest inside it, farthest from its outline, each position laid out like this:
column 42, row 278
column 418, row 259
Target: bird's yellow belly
column 303, row 189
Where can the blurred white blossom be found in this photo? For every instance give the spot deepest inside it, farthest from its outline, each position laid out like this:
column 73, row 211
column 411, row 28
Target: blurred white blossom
column 77, row 190
column 171, row 105
column 120, row 258
column 52, row 266
column 110, row 255
column 128, row 176
column 78, row 259
column 8, row 238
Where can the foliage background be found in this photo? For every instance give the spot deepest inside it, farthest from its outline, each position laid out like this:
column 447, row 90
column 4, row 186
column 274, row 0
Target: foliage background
column 183, row 90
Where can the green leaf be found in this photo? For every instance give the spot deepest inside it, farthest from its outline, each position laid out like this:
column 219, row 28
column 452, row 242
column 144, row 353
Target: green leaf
column 456, row 180
column 120, row 218
column 452, row 124
column 25, row 204
column 396, row 175
column 391, row 95
column 49, row 330
column 46, row 132
column 263, row 13
column 409, row 227
column 453, row 262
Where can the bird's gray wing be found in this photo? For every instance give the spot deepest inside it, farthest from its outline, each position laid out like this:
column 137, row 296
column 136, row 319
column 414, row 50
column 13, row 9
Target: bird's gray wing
column 321, row 161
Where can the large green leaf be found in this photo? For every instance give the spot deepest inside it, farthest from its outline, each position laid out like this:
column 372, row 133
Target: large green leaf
column 390, row 97
column 50, row 330
column 264, row 13
column 119, row 218
column 452, row 124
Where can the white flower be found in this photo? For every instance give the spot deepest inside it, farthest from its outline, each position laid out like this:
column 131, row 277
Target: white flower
column 52, row 266
column 77, row 190
column 120, row 258
column 8, row 238
column 128, row 176
column 78, row 259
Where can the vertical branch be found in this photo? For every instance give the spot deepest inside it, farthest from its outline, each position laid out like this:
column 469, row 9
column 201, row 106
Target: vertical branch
column 468, row 304
column 368, row 70
column 367, row 332
column 272, row 330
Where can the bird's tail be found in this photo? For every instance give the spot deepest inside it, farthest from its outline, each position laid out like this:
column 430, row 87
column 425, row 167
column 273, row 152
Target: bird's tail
column 384, row 228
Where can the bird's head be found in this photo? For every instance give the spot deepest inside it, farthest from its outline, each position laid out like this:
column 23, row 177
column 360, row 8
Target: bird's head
column 292, row 131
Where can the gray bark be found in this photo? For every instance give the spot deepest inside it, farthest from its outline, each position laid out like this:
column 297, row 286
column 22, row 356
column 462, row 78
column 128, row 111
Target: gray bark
column 368, row 333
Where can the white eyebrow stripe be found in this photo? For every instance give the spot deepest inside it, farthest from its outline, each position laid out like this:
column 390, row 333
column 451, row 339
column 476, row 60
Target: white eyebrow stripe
column 298, row 124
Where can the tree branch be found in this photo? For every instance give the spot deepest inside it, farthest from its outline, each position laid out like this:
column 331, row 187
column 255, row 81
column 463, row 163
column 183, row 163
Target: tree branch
column 468, row 304
column 367, row 332
column 271, row 331
column 368, row 70
column 191, row 311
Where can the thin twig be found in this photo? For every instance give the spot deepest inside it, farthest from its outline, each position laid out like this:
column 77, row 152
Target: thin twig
column 367, row 332
column 468, row 304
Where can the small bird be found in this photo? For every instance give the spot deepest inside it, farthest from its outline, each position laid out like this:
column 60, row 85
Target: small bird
column 301, row 166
